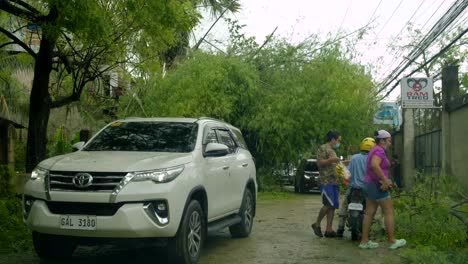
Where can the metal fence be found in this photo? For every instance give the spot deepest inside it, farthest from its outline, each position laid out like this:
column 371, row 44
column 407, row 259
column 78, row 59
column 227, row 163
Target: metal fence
column 428, row 153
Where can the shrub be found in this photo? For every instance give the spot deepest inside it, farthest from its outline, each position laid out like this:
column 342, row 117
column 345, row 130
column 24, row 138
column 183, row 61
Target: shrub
column 14, row 236
column 266, row 181
column 6, row 175
column 60, row 144
column 422, row 216
column 20, row 155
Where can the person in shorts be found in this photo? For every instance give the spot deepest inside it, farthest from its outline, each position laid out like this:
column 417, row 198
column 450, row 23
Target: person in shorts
column 357, row 167
column 377, row 185
column 329, row 188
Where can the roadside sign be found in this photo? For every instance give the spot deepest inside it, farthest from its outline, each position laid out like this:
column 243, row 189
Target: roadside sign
column 387, row 113
column 417, row 92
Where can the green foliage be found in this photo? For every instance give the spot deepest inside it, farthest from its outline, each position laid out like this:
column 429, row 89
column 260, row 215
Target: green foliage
column 218, row 6
column 12, row 85
column 90, row 38
column 431, row 255
column 464, row 83
column 6, row 176
column 300, row 100
column 283, row 98
column 423, row 218
column 266, row 181
column 63, row 141
column 205, row 85
column 20, row 155
column 61, row 144
column 14, row 235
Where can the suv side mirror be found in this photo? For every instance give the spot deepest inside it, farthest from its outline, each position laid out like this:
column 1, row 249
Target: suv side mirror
column 78, row 146
column 216, row 150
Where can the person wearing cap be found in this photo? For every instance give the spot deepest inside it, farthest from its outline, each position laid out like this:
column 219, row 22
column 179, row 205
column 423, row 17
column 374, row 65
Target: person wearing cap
column 377, row 184
column 327, row 161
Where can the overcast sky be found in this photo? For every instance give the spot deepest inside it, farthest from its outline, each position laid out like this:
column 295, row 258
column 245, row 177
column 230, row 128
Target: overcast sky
column 297, row 19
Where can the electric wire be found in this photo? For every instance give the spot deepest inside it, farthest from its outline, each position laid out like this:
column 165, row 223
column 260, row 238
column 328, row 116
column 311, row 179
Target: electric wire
column 441, row 52
column 400, row 52
column 449, row 16
column 390, row 18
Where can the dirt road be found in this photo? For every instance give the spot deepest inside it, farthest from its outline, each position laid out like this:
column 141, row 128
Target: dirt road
column 281, row 235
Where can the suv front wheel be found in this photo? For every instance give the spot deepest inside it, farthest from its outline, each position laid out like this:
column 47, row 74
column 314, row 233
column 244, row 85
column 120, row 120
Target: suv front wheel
column 185, row 247
column 246, row 213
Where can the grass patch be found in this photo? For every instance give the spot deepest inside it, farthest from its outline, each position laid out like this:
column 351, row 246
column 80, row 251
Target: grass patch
column 277, row 195
column 423, row 218
column 431, row 255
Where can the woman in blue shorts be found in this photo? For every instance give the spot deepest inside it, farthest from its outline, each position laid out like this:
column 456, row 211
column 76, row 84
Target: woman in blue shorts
column 377, row 185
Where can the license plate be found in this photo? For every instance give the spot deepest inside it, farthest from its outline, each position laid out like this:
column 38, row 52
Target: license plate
column 355, row 206
column 81, row 222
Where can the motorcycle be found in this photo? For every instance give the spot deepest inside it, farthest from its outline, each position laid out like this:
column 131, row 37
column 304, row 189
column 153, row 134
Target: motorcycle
column 355, row 214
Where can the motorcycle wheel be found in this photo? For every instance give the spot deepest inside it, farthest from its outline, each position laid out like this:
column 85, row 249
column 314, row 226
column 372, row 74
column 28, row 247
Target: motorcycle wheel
column 355, row 235
column 355, row 224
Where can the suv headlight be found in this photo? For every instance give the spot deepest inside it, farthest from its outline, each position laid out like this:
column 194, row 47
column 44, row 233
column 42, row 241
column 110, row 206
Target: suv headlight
column 158, row 176
column 39, row 174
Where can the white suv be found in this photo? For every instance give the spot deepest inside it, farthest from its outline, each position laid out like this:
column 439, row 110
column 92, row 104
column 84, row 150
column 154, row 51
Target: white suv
column 170, row 178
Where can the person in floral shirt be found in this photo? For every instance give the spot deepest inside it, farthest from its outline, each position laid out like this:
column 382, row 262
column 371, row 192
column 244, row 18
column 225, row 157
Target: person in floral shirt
column 329, row 188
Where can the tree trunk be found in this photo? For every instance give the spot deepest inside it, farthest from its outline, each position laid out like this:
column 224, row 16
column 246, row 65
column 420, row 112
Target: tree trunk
column 40, row 101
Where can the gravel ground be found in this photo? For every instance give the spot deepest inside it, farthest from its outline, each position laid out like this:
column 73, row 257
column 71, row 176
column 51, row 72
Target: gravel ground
column 281, row 234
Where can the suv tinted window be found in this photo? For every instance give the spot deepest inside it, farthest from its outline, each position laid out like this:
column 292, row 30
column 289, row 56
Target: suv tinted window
column 146, row 136
column 210, row 137
column 311, row 166
column 226, row 139
column 239, row 138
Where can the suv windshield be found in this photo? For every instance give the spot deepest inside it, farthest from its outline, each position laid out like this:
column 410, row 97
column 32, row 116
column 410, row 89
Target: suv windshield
column 311, row 166
column 146, row 136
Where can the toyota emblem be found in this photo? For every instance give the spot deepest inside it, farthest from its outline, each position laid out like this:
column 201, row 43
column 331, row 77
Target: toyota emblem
column 82, row 180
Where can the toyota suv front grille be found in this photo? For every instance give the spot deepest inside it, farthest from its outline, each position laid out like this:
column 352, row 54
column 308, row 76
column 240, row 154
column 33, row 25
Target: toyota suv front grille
column 84, row 181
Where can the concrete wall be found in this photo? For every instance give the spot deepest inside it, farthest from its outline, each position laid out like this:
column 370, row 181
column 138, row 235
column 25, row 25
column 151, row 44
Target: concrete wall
column 458, row 149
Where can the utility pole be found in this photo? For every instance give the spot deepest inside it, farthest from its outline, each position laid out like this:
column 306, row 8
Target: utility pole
column 449, row 94
column 408, row 162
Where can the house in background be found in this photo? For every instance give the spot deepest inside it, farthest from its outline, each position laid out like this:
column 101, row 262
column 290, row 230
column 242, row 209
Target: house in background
column 9, row 123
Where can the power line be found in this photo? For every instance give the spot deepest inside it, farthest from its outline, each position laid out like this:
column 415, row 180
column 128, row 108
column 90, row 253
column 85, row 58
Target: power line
column 342, row 21
column 375, row 10
column 338, row 39
column 346, row 13
column 416, row 11
column 441, row 52
column 437, row 9
column 450, row 15
column 391, row 16
column 401, row 30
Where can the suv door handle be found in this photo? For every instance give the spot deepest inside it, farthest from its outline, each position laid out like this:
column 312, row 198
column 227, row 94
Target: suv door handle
column 225, row 167
column 245, row 164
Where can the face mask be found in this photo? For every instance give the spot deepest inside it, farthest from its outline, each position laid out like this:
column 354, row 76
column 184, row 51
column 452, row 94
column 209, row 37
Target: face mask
column 385, row 147
column 337, row 145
